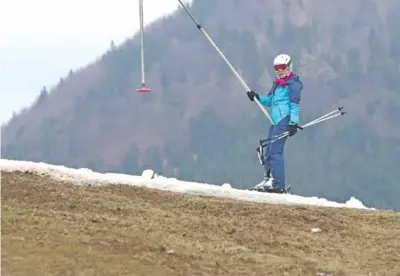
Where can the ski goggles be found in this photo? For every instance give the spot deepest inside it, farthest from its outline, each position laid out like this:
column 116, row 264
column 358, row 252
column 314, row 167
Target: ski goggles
column 280, row 67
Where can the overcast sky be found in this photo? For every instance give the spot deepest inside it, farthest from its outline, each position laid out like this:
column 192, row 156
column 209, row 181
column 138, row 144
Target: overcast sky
column 40, row 40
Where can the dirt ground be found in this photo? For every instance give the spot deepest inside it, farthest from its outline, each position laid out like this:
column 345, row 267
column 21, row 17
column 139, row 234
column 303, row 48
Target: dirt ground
column 51, row 228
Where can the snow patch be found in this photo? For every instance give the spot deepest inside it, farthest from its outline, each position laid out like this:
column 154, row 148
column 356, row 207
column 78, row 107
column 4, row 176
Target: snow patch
column 148, row 174
column 226, row 186
column 354, row 202
column 149, row 179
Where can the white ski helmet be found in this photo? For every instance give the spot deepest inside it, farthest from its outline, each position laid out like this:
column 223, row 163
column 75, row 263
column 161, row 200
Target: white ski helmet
column 282, row 65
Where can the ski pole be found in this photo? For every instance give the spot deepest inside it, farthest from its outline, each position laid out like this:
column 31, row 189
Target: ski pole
column 226, row 61
column 264, row 142
column 282, row 135
column 327, row 115
column 315, row 121
column 318, row 120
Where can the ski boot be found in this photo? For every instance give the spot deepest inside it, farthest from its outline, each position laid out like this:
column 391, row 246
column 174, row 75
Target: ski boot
column 266, row 182
column 270, row 189
column 267, row 186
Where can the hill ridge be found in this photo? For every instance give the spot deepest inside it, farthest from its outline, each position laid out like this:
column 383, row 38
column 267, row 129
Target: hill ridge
column 149, row 179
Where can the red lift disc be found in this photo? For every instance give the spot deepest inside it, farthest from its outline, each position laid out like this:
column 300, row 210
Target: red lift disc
column 143, row 90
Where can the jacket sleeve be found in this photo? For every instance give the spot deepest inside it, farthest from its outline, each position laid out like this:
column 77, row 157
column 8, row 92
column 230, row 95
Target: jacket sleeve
column 294, row 102
column 266, row 100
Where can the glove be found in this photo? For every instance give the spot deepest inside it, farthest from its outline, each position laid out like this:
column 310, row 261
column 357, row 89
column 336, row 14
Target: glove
column 292, row 129
column 251, row 94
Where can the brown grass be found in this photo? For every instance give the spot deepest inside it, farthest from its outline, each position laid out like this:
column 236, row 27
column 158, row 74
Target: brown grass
column 51, row 228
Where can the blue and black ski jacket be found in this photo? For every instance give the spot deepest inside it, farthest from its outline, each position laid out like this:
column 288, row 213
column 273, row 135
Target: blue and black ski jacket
column 284, row 101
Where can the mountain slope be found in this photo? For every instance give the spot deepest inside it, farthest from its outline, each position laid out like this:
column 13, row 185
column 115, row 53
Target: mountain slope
column 198, row 124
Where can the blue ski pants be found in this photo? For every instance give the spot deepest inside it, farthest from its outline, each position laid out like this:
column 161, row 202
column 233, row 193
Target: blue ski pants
column 273, row 153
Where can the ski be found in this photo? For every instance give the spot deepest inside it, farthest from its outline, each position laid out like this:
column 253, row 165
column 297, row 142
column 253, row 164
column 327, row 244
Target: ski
column 270, row 191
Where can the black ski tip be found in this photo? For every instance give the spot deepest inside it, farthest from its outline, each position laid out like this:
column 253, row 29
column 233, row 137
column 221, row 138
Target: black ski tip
column 342, row 112
column 263, row 141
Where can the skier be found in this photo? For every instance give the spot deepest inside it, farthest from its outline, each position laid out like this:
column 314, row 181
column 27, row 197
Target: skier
column 284, row 102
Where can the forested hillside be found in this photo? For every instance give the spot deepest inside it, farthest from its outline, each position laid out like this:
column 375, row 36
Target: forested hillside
column 197, row 123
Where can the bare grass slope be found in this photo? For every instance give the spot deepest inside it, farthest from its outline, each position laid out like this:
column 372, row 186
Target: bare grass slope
column 55, row 228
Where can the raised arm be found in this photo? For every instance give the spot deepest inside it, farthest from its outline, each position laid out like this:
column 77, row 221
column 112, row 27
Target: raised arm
column 266, row 100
